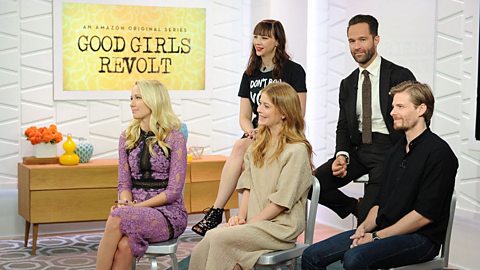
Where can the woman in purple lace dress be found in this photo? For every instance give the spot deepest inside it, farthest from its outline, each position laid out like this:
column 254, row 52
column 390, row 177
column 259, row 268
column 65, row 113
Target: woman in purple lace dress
column 151, row 176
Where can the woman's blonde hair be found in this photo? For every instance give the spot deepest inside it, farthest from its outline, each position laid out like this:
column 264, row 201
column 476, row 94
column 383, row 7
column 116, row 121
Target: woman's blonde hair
column 162, row 120
column 286, row 101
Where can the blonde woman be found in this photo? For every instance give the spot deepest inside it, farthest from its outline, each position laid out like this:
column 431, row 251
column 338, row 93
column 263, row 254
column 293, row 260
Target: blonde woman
column 151, row 175
column 274, row 187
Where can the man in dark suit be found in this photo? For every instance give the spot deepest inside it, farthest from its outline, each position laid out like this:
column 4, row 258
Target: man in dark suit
column 365, row 128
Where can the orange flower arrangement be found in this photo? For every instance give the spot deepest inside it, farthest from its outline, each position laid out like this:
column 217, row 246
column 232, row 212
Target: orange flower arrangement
column 43, row 135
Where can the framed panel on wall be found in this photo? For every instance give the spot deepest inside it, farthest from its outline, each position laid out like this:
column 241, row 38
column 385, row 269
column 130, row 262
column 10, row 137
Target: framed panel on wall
column 101, row 48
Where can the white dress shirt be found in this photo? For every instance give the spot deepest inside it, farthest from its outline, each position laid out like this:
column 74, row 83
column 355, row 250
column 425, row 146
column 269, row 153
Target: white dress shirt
column 378, row 124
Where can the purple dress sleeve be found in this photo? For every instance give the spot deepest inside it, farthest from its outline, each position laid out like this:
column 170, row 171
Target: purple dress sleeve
column 178, row 165
column 124, row 176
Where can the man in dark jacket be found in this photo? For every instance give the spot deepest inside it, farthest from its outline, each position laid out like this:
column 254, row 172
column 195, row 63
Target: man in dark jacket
column 365, row 128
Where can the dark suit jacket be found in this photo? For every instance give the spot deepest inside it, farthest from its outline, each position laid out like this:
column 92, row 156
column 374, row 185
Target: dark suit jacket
column 348, row 135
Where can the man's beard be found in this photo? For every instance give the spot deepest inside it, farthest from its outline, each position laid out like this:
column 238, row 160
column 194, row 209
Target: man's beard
column 363, row 60
column 400, row 128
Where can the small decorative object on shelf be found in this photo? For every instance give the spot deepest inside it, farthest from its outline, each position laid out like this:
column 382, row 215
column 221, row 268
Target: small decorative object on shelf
column 69, row 157
column 196, row 151
column 184, row 131
column 45, row 150
column 84, row 150
column 44, row 140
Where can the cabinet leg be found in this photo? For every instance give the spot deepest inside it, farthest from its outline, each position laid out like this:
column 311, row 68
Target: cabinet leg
column 27, row 233
column 227, row 215
column 34, row 239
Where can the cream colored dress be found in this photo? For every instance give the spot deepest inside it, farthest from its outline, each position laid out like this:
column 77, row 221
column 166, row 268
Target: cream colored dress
column 285, row 182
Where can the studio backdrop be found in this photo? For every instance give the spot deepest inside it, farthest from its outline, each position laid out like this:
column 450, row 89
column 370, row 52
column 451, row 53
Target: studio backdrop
column 102, row 48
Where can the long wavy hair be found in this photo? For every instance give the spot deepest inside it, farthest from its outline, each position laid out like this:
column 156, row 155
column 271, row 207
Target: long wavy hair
column 274, row 29
column 162, row 120
column 286, row 101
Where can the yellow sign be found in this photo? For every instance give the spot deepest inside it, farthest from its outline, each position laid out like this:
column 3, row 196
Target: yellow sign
column 109, row 47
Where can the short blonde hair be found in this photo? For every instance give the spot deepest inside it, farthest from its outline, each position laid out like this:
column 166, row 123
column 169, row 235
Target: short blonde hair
column 420, row 93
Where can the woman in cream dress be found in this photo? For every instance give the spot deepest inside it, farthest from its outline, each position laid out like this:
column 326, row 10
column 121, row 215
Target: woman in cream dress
column 274, row 187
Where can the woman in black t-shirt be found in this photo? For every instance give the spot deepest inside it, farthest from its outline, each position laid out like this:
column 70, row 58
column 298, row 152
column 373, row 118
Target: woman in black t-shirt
column 269, row 62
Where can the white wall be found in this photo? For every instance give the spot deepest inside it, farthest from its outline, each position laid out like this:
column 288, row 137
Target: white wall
column 455, row 79
column 293, row 16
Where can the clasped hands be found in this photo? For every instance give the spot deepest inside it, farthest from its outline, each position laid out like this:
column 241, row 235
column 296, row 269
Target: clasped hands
column 123, row 203
column 360, row 237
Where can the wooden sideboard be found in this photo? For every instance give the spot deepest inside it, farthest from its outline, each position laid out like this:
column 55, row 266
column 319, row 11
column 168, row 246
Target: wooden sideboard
column 54, row 193
column 201, row 184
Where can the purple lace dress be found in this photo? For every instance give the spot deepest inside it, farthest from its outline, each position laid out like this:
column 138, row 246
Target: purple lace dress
column 152, row 224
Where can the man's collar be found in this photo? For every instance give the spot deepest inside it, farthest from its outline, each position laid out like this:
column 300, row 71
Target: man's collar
column 374, row 68
column 419, row 139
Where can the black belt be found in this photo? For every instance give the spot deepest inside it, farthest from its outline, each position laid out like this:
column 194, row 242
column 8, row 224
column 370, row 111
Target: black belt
column 149, row 183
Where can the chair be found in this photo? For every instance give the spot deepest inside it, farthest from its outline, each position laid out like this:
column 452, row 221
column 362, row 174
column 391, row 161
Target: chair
column 362, row 180
column 277, row 259
column 441, row 261
column 160, row 249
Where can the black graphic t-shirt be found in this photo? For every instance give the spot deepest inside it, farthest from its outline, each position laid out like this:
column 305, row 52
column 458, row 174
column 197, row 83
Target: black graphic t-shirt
column 251, row 86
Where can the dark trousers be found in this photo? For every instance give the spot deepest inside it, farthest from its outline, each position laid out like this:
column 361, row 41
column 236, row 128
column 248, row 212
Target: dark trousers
column 365, row 159
column 385, row 253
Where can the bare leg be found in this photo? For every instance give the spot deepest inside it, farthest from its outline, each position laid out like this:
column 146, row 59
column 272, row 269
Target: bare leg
column 109, row 243
column 123, row 257
column 231, row 172
column 228, row 181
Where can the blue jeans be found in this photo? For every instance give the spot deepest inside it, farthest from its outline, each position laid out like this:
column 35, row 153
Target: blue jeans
column 390, row 252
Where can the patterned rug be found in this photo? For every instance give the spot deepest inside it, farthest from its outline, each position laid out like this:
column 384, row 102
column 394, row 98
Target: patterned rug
column 74, row 252
column 79, row 252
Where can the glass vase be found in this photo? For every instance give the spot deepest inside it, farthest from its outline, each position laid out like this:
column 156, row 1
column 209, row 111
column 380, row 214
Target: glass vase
column 84, row 150
column 69, row 157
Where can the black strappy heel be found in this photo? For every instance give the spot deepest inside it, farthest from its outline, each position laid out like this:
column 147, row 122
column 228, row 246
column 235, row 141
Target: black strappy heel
column 212, row 218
